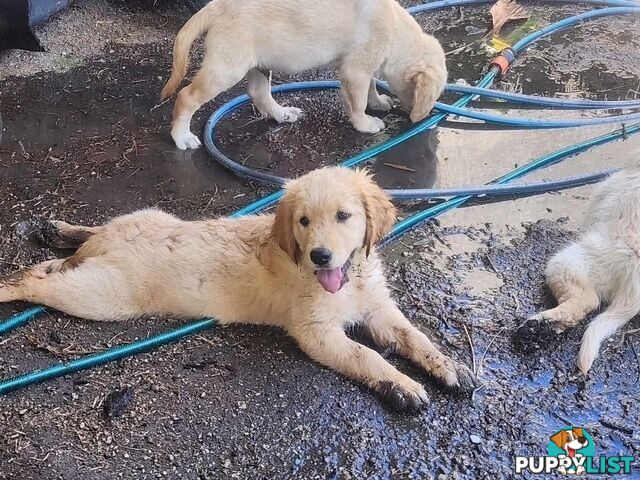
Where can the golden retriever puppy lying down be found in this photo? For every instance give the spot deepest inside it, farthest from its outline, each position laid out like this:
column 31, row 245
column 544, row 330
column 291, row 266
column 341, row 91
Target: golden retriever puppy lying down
column 251, row 37
column 311, row 269
column 602, row 266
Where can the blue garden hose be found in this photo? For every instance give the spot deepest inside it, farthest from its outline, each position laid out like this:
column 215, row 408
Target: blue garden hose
column 413, row 194
column 623, row 7
column 413, row 221
column 127, row 350
column 501, row 190
column 560, row 103
column 426, row 7
column 21, row 318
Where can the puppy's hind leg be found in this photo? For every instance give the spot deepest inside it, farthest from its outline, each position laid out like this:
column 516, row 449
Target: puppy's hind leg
column 376, row 101
column 601, row 328
column 210, row 81
column 56, row 234
column 12, row 285
column 93, row 291
column 259, row 90
column 567, row 275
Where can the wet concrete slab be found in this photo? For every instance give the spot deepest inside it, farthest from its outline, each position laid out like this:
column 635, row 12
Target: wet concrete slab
column 84, row 143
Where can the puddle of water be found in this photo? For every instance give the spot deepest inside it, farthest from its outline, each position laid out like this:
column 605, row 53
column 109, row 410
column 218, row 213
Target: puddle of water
column 476, row 157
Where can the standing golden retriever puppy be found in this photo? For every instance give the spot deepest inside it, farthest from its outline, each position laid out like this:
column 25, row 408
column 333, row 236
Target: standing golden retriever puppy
column 291, row 36
column 603, row 265
column 311, row 269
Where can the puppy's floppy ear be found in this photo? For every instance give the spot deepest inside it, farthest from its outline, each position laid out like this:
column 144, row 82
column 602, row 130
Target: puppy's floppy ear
column 425, row 93
column 282, row 229
column 560, row 439
column 380, row 212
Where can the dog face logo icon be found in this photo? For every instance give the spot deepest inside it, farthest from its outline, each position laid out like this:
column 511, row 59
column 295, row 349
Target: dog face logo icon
column 574, row 444
column 572, row 451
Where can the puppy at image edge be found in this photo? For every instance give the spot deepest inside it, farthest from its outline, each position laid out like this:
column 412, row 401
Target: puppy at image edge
column 601, row 267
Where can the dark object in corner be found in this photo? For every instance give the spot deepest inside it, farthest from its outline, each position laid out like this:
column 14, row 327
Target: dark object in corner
column 17, row 17
column 118, row 402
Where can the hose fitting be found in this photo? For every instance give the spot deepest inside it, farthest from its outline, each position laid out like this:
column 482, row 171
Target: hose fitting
column 503, row 61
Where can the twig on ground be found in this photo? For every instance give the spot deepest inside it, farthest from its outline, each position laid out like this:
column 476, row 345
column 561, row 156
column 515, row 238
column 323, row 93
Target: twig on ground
column 487, row 349
column 473, row 351
column 158, row 105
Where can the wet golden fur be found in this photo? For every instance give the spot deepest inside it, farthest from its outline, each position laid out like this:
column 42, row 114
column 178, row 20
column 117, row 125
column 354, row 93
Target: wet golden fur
column 255, row 269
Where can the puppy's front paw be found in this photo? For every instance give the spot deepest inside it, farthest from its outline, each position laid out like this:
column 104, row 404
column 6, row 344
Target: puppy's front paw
column 368, row 124
column 456, row 376
column 383, row 103
column 185, row 140
column 405, row 396
column 287, row 114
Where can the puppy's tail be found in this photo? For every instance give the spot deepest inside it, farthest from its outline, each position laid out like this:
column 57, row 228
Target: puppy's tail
column 195, row 26
column 601, row 328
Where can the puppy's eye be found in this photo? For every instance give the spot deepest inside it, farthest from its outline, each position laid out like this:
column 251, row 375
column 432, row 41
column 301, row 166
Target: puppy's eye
column 343, row 216
column 304, row 221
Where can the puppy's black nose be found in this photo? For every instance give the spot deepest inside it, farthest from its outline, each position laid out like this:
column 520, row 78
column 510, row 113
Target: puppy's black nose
column 320, row 256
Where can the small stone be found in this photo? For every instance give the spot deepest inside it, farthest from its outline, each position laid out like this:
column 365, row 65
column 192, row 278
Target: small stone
column 475, row 439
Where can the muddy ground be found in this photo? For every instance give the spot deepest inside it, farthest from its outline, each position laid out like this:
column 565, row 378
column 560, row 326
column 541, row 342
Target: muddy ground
column 80, row 142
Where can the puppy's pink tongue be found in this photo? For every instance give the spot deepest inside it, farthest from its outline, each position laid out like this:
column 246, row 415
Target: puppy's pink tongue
column 331, row 280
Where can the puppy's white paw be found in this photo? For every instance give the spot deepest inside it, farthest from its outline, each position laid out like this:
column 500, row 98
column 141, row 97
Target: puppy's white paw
column 185, row 140
column 383, row 103
column 368, row 124
column 287, row 114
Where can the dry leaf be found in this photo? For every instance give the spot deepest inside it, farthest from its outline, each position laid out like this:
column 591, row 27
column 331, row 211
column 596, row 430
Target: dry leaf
column 504, row 11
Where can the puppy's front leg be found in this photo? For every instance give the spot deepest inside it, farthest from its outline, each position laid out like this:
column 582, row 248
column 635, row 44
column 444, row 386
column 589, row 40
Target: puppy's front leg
column 355, row 90
column 330, row 346
column 390, row 328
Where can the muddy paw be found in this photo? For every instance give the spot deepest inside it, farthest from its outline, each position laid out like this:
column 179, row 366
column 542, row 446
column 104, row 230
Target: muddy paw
column 531, row 335
column 401, row 398
column 42, row 231
column 535, row 329
column 466, row 379
column 456, row 376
